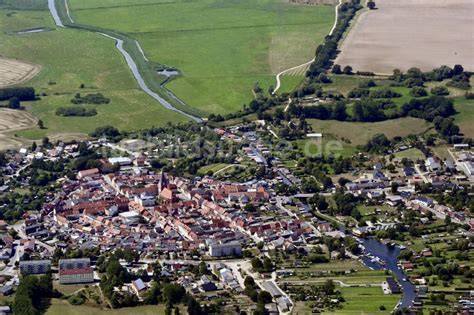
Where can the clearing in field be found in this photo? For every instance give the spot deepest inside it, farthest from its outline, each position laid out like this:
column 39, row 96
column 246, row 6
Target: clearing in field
column 406, row 33
column 222, row 48
column 359, row 133
column 15, row 72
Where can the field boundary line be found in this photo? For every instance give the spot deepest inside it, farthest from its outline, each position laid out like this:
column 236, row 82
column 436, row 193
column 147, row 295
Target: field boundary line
column 66, row 4
column 278, row 76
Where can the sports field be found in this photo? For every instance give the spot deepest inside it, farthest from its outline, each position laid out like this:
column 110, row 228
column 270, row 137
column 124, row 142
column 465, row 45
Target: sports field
column 221, row 47
column 70, row 58
column 411, row 33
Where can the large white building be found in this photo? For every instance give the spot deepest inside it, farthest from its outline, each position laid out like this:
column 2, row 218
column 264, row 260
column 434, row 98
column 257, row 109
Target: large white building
column 227, row 249
column 75, row 271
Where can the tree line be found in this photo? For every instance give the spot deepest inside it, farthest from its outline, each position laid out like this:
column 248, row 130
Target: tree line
column 22, row 93
column 75, row 112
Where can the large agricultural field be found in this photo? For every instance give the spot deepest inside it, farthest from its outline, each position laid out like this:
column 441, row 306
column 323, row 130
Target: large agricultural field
column 222, row 48
column 406, row 33
column 15, row 72
column 12, row 121
column 70, row 58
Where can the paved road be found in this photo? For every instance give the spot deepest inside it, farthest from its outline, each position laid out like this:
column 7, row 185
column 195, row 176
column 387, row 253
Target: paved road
column 421, row 174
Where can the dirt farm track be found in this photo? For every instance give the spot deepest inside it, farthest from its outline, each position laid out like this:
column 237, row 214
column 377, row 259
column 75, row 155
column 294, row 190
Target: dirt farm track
column 411, row 33
column 14, row 72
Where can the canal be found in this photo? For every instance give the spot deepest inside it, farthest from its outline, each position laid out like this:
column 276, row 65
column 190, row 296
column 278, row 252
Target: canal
column 389, row 255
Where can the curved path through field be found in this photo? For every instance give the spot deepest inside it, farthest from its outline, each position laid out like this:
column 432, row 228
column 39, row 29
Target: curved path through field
column 278, row 76
column 130, row 63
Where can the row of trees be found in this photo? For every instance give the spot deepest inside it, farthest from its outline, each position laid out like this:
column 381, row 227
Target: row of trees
column 260, row 297
column 22, row 93
column 94, row 98
column 370, row 110
column 30, row 295
column 76, row 112
column 415, row 77
column 327, row 51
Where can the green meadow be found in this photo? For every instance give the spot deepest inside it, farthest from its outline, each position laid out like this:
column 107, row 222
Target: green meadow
column 222, row 48
column 465, row 116
column 70, row 58
column 365, row 301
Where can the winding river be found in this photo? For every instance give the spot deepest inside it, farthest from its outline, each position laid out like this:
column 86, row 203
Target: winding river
column 131, row 64
column 54, row 13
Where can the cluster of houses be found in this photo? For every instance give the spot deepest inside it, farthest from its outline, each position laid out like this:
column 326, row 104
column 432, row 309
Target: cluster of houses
column 160, row 213
column 376, row 186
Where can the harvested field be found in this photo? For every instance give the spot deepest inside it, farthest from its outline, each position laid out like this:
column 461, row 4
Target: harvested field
column 14, row 72
column 411, row 33
column 10, row 121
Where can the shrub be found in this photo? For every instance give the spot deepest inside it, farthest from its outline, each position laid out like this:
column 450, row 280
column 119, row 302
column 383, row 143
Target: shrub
column 76, row 300
column 418, row 91
column 384, row 93
column 75, row 112
column 469, row 96
column 367, row 84
column 440, row 91
column 96, row 98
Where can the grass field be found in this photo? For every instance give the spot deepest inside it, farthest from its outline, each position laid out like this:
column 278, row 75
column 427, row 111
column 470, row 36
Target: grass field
column 412, row 154
column 360, row 133
column 24, row 4
column 358, row 301
column 365, row 301
column 70, row 58
column 329, row 145
column 465, row 117
column 212, row 167
column 61, row 307
column 221, row 47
